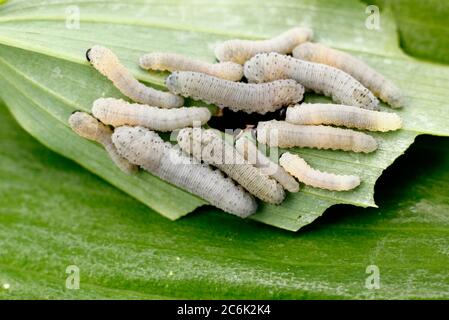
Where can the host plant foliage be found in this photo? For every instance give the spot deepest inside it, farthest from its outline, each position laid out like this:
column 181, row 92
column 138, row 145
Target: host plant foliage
column 44, row 77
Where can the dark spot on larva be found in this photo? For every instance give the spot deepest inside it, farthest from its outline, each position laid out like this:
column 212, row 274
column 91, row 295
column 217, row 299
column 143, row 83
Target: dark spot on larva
column 87, row 54
column 76, row 111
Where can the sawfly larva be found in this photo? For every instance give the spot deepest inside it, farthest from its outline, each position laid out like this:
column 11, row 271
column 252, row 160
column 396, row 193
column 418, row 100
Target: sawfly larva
column 107, row 63
column 299, row 168
column 260, row 98
column 285, row 135
column 254, row 156
column 240, row 51
column 321, row 78
column 341, row 115
column 146, row 149
column 373, row 80
column 208, row 145
column 117, row 112
column 90, row 128
column 175, row 62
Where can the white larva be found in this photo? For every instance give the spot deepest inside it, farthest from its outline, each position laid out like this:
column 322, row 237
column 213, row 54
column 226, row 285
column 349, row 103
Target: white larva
column 90, row 128
column 252, row 154
column 260, row 98
column 341, row 115
column 373, row 80
column 146, row 149
column 240, row 51
column 107, row 63
column 175, row 62
column 207, row 145
column 117, row 112
column 285, row 135
column 321, row 78
column 315, row 178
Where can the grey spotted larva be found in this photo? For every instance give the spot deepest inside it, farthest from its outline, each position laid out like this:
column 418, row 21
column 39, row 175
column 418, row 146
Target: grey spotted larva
column 321, row 78
column 373, row 80
column 341, row 115
column 146, row 149
column 240, row 51
column 107, row 63
column 283, row 134
column 117, row 112
column 254, row 156
column 207, row 145
column 90, row 128
column 260, row 98
column 315, row 178
column 175, row 62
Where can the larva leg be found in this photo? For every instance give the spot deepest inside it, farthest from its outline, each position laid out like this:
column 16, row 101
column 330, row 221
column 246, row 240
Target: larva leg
column 315, row 178
column 260, row 98
column 285, row 135
column 377, row 83
column 240, row 51
column 341, row 115
column 90, row 128
column 107, row 63
column 146, row 149
column 175, row 62
column 210, row 147
column 320, row 78
column 117, row 112
column 249, row 150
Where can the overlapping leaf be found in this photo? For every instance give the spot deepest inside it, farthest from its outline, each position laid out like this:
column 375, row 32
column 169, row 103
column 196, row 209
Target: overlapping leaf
column 44, row 78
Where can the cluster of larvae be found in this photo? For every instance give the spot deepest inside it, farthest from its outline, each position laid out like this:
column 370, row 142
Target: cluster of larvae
column 231, row 173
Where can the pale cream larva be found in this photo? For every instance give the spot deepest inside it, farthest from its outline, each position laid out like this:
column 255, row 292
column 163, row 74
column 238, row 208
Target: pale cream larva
column 107, row 63
column 146, row 149
column 207, row 145
column 320, row 78
column 373, row 80
column 117, row 112
column 299, row 168
column 285, row 135
column 240, row 51
column 90, row 128
column 259, row 98
column 254, row 156
column 175, row 62
column 341, row 115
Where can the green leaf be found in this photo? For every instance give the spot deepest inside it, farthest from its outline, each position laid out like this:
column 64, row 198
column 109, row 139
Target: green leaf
column 44, row 77
column 422, row 26
column 54, row 214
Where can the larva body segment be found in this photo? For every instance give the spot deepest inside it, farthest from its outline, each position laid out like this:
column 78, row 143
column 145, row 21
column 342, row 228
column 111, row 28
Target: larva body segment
column 107, row 63
column 341, row 115
column 117, row 112
column 373, row 80
column 320, row 78
column 210, row 147
column 299, row 168
column 251, row 154
column 146, row 149
column 285, row 135
column 260, row 98
column 175, row 62
column 240, row 51
column 90, row 128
